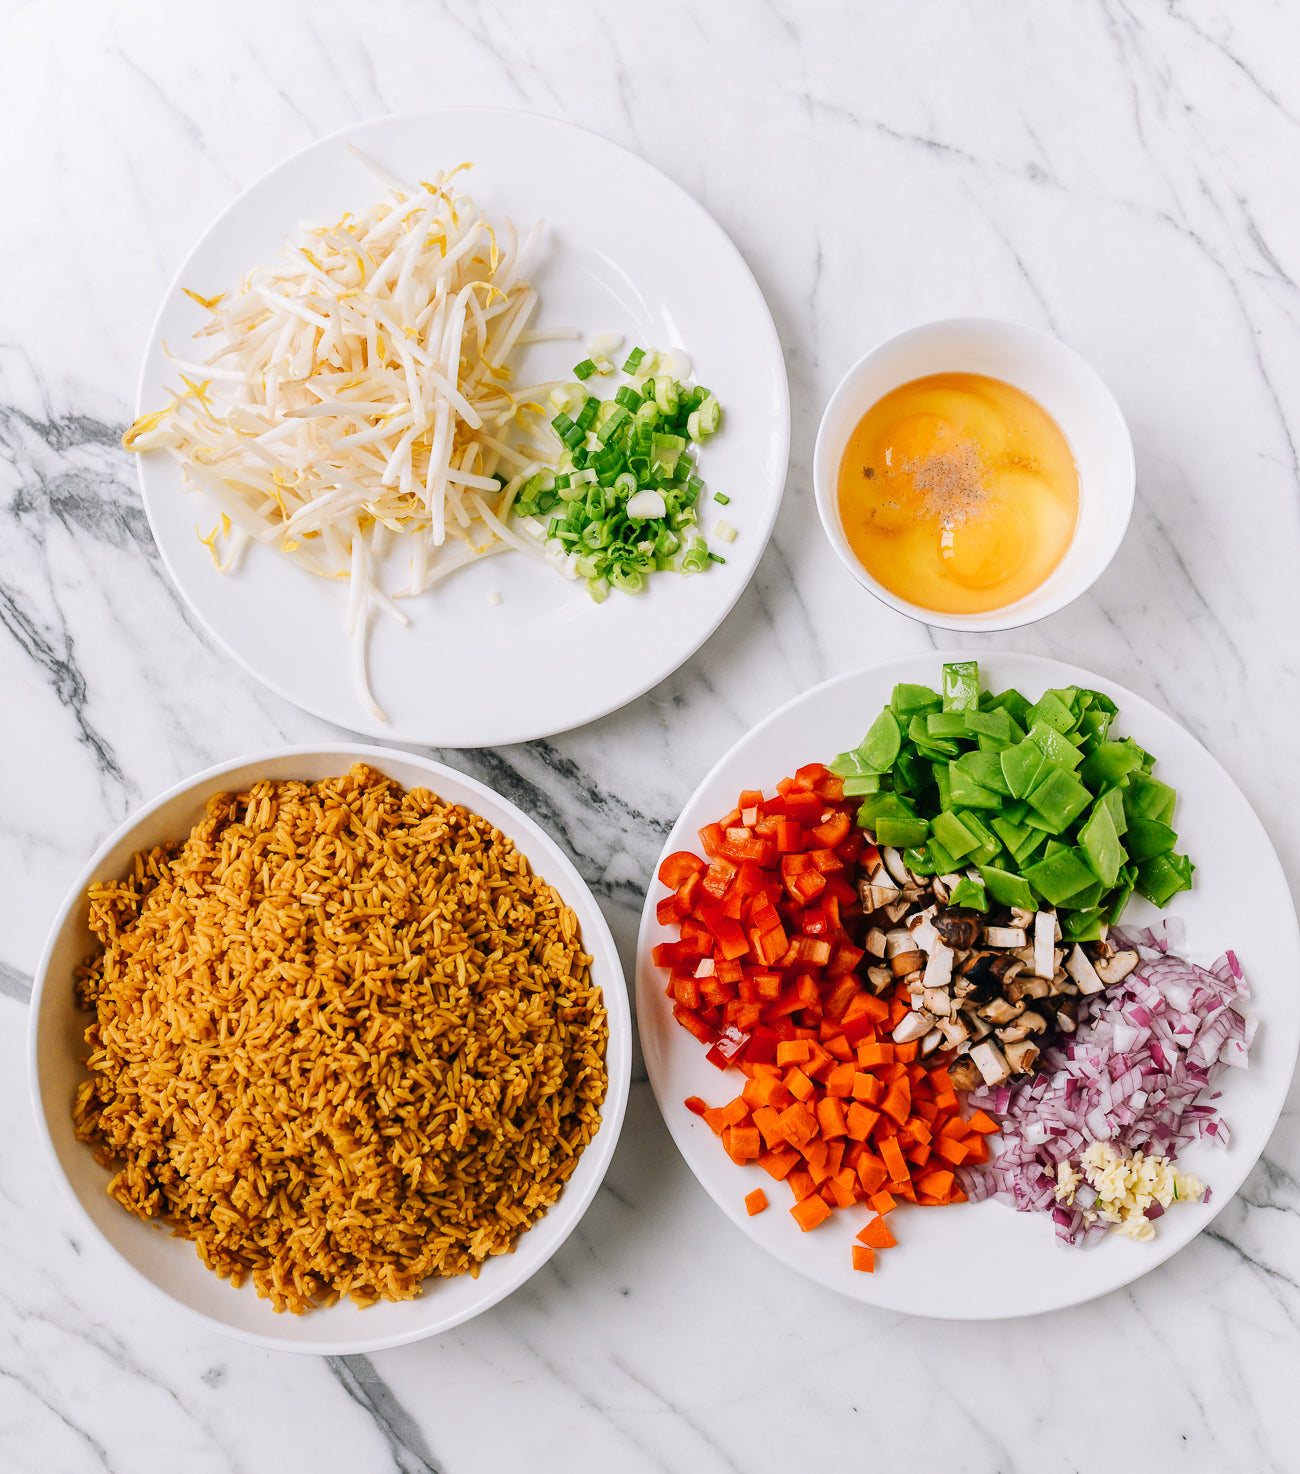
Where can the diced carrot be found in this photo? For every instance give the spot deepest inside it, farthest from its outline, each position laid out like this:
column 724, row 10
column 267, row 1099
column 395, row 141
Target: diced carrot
column 882, row 1202
column 694, row 1103
column 715, row 1121
column 798, row 1084
column 793, row 1052
column 864, row 1258
column 985, row 1125
column 839, row 1048
column 840, row 1080
column 815, row 1153
column 798, row 1123
column 810, row 1212
column 897, row 1105
column 870, row 1055
column 735, row 1111
column 756, row 1201
column 918, row 1154
column 893, row 1160
column 800, row 1184
column 937, row 1184
column 877, row 1234
column 977, row 1150
column 779, row 1162
column 951, row 1150
column 768, row 1121
column 919, row 1128
column 867, row 1088
column 859, row 1121
column 872, row 1172
column 746, row 1144
column 830, row 1117
column 844, row 1186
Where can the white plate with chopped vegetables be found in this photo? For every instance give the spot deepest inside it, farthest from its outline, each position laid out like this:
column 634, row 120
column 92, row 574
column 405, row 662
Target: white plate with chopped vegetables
column 361, row 387
column 972, row 1260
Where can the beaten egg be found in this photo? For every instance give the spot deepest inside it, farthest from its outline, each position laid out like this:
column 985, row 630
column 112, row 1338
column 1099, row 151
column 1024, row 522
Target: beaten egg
column 958, row 493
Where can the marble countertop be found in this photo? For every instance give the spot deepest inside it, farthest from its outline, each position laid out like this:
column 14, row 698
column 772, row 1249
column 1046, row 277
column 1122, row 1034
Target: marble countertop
column 1119, row 174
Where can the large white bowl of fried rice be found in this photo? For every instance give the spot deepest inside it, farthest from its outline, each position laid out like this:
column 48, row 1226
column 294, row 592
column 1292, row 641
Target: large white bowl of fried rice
column 359, row 1039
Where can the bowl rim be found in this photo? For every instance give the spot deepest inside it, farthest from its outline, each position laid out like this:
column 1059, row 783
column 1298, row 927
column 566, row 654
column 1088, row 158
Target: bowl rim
column 560, row 872
column 1023, row 611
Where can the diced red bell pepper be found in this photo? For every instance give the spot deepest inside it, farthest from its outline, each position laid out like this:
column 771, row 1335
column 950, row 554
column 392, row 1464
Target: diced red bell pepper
column 727, row 932
column 711, row 837
column 695, row 1024
column 670, row 910
column 832, row 831
column 677, row 867
column 718, row 877
column 727, row 1046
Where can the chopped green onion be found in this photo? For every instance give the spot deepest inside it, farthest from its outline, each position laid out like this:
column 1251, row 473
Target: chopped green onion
column 633, row 360
column 584, row 370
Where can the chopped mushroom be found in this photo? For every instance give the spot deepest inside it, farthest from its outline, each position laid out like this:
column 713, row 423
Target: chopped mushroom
column 990, row 1061
column 1083, row 972
column 912, row 1027
column 1006, row 937
column 1045, row 943
column 1112, row 970
column 1022, row 1055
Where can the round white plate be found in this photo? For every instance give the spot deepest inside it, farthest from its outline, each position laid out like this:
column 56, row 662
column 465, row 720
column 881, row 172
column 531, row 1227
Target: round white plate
column 627, row 251
column 171, row 1266
column 984, row 1261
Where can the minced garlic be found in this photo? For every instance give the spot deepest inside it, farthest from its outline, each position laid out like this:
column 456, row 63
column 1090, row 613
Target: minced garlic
column 1126, row 1188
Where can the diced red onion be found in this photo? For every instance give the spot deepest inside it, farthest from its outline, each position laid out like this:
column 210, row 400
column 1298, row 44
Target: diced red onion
column 1134, row 1073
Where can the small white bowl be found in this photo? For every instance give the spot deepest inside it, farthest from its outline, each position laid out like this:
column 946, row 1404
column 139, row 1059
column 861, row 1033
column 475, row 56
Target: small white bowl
column 1045, row 369
column 170, row 1265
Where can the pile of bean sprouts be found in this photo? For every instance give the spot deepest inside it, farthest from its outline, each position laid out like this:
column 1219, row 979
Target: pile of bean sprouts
column 359, row 390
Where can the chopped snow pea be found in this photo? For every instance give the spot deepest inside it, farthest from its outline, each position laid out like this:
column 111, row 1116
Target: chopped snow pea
column 961, row 686
column 1036, row 799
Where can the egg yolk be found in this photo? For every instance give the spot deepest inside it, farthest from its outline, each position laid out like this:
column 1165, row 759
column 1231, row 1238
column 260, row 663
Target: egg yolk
column 958, row 493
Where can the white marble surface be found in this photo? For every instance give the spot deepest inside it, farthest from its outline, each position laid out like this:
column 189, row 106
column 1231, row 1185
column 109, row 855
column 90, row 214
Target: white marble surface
column 1122, row 174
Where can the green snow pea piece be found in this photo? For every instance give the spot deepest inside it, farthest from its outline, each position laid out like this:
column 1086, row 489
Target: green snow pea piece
column 970, row 893
column 1059, row 798
column 862, row 785
column 1059, row 877
column 1149, row 798
column 965, row 792
column 955, row 837
column 947, row 724
column 881, row 746
column 1162, row 877
column 902, row 833
column 1148, row 838
column 1056, row 748
column 961, row 686
column 1110, row 763
column 1022, row 766
column 986, row 769
column 918, row 730
column 1100, row 843
column 1008, row 889
column 940, row 859
column 909, row 701
column 1055, row 709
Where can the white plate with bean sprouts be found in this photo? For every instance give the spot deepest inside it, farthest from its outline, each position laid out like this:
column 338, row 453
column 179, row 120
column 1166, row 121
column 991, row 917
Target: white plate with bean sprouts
column 353, row 376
